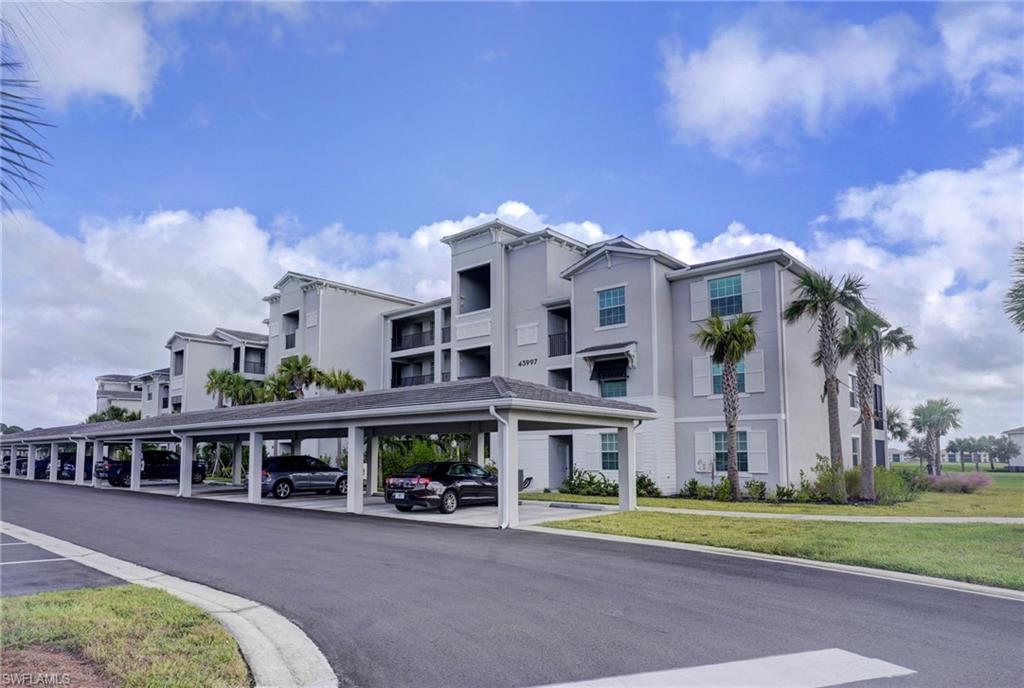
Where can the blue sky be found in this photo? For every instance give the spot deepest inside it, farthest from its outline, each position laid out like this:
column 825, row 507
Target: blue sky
column 202, row 149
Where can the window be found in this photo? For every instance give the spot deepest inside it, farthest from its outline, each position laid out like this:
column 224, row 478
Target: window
column 613, row 388
column 458, row 470
column 855, row 451
column 611, row 307
column 149, row 393
column 716, row 377
column 726, row 295
column 722, row 452
column 179, row 362
column 853, row 392
column 236, row 354
column 255, row 361
column 879, row 411
column 609, row 451
column 477, row 471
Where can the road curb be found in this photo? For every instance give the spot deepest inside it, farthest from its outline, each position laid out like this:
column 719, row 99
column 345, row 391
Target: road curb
column 279, row 653
column 897, row 576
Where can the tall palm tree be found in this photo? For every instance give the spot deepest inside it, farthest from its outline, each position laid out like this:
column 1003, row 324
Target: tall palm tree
column 935, row 418
column 896, row 424
column 340, row 381
column 866, row 338
column 217, row 383
column 728, row 342
column 299, row 372
column 819, row 297
column 1014, row 300
column 960, row 448
column 276, row 387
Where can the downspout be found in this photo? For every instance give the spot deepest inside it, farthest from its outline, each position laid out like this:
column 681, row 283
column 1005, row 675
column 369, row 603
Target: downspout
column 782, row 365
column 491, row 410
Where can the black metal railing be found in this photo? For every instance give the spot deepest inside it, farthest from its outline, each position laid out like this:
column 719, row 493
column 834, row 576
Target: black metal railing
column 254, row 368
column 446, row 335
column 289, row 340
column 446, row 376
column 413, row 340
column 411, row 380
column 559, row 344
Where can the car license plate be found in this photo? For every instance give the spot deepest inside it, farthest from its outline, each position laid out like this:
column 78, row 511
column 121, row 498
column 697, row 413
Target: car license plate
column 397, row 495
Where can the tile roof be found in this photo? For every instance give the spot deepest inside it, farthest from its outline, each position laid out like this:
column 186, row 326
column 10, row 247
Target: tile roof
column 478, row 390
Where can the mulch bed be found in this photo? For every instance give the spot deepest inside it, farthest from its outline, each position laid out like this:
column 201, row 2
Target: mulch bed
column 50, row 666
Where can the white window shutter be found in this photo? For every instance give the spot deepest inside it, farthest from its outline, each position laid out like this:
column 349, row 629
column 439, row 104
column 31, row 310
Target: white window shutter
column 699, row 307
column 757, row 451
column 312, row 318
column 703, row 451
column 753, row 364
column 751, row 291
column 701, row 376
column 527, row 334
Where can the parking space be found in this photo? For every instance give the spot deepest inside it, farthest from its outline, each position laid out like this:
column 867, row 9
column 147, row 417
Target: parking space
column 27, row 569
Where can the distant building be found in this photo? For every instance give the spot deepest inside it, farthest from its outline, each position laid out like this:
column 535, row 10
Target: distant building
column 118, row 390
column 1017, row 435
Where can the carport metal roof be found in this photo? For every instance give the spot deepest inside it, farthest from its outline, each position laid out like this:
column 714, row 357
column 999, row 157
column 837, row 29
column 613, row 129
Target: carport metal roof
column 441, row 398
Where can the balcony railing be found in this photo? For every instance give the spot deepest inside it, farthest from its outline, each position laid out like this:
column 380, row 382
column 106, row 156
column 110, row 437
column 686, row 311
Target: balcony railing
column 254, row 368
column 446, row 335
column 473, row 376
column 559, row 344
column 446, row 376
column 289, row 340
column 411, row 380
column 411, row 341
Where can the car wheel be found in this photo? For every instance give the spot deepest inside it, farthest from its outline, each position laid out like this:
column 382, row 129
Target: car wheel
column 342, row 486
column 449, row 502
column 403, row 507
column 282, row 489
column 198, row 477
column 114, row 482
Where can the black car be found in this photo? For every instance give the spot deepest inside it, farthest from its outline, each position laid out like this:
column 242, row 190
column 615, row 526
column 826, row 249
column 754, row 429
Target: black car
column 66, row 468
column 283, row 475
column 157, row 464
column 442, row 485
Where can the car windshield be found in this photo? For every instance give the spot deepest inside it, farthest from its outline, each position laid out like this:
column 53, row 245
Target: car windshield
column 420, row 468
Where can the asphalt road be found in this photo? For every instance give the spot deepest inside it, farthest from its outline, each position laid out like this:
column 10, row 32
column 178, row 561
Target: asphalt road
column 397, row 603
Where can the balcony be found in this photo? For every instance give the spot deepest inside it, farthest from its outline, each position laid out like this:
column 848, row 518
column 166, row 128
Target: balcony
column 289, row 340
column 559, row 344
column 412, row 341
column 255, row 368
column 411, row 380
column 446, row 376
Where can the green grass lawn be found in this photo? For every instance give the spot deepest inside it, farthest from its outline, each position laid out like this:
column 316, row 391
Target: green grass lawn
column 137, row 636
column 1004, row 498
column 977, row 553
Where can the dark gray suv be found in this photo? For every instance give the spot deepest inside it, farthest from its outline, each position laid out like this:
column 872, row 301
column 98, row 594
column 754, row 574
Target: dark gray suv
column 283, row 475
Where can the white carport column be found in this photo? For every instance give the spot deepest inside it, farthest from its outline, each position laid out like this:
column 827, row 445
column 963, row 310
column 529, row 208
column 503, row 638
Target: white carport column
column 97, row 456
column 135, row 477
column 255, row 467
column 188, row 453
column 236, row 462
column 627, row 468
column 80, row 462
column 54, row 461
column 507, row 450
column 373, row 465
column 30, row 465
column 476, row 444
column 354, row 444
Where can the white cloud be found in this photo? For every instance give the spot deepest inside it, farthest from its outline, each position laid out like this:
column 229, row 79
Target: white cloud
column 87, row 49
column 779, row 75
column 934, row 246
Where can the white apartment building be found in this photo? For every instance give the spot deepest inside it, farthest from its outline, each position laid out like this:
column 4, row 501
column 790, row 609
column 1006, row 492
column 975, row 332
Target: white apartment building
column 118, row 390
column 192, row 356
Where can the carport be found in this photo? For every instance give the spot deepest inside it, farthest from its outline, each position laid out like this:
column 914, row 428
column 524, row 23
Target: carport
column 475, row 407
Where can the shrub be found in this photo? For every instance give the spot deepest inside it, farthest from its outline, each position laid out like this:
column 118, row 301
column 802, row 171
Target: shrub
column 645, row 486
column 704, row 492
column 756, row 490
column 852, row 479
column 892, row 488
column 916, row 480
column 826, row 481
column 589, row 483
column 783, row 493
column 722, row 491
column 691, row 489
column 959, row 482
column 805, row 491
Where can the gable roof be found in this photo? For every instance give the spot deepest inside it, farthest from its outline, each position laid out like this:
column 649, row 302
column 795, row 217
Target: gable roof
column 744, row 260
column 499, row 225
column 159, row 372
column 242, row 335
column 608, row 248
column 548, row 234
column 500, row 392
column 323, row 281
column 113, row 377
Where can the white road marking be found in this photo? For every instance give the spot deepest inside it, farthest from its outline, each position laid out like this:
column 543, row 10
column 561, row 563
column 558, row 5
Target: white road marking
column 800, row 670
column 32, row 561
column 4, row 544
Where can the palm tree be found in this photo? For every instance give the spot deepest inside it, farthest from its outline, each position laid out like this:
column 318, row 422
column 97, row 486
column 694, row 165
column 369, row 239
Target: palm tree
column 728, row 342
column 218, row 382
column 275, row 387
column 918, row 448
column 818, row 297
column 865, row 339
column 117, row 413
column 340, row 381
column 299, row 372
column 896, row 424
column 1013, row 303
column 935, row 418
column 960, row 448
